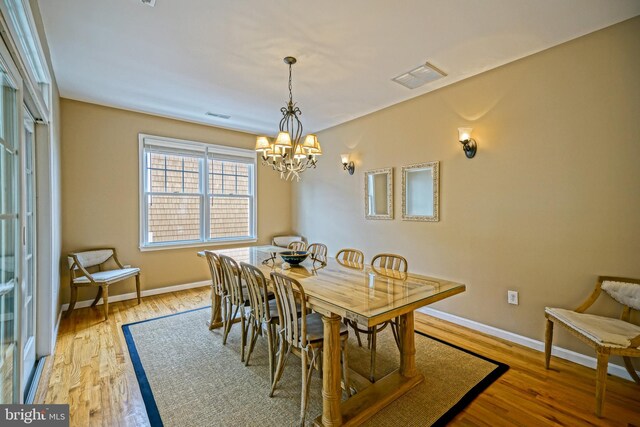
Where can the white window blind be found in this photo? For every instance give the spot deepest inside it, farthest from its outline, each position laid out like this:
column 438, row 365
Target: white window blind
column 195, row 193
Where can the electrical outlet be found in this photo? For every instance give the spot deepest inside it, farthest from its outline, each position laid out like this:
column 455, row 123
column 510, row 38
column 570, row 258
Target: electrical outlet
column 512, row 297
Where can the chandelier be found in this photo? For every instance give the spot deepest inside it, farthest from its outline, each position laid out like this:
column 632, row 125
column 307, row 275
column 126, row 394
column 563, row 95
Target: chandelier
column 289, row 154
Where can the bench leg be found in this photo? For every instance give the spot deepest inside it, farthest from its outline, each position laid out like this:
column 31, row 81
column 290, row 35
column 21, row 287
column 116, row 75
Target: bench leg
column 631, row 369
column 548, row 339
column 601, row 380
column 138, row 286
column 74, row 298
column 105, row 299
column 98, row 296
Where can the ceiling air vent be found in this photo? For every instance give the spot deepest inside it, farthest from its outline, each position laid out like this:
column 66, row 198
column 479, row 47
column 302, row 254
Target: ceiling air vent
column 419, row 76
column 218, row 116
column 149, row 2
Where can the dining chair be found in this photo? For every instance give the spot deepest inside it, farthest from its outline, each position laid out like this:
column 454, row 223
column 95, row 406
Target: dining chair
column 98, row 259
column 304, row 332
column 234, row 296
column 297, row 245
column 217, row 287
column 350, row 257
column 263, row 313
column 608, row 336
column 318, row 252
column 392, row 266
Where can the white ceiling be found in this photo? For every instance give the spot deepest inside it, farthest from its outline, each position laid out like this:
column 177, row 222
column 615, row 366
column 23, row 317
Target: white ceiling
column 183, row 58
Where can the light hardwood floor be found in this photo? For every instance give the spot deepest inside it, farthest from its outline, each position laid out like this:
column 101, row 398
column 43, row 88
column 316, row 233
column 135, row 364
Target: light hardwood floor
column 92, row 372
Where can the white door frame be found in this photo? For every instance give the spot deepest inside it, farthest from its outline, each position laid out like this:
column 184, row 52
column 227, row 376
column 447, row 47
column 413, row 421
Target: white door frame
column 28, row 341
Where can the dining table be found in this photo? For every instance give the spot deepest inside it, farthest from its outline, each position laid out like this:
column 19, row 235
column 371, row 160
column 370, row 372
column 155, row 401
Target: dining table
column 364, row 294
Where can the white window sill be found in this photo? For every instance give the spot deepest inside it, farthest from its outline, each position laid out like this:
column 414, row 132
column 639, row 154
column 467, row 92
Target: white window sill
column 196, row 245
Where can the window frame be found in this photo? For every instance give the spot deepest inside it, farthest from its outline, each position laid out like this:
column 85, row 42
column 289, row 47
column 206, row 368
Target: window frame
column 204, row 152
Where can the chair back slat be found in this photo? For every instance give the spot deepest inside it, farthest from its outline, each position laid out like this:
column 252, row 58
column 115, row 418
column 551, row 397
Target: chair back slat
column 390, row 262
column 231, row 280
column 289, row 293
column 257, row 289
column 91, row 258
column 297, row 246
column 318, row 252
column 354, row 256
column 216, row 273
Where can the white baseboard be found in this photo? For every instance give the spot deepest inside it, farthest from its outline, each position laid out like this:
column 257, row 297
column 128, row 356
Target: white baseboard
column 145, row 293
column 562, row 353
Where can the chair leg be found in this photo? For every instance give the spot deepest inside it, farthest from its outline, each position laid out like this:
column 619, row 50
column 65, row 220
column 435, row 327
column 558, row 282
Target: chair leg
column 548, row 339
column 271, row 351
column 601, row 380
column 372, row 369
column 631, row 369
column 306, row 370
column 282, row 360
column 98, row 296
column 243, row 334
column 105, row 300
column 345, row 367
column 354, row 326
column 138, row 286
column 394, row 329
column 74, row 298
column 252, row 339
column 230, row 315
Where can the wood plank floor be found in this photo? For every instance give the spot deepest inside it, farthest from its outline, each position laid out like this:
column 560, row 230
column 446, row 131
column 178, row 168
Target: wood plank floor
column 92, row 372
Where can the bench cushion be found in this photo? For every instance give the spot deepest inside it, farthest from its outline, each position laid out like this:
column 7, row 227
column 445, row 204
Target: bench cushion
column 283, row 241
column 109, row 276
column 624, row 293
column 605, row 331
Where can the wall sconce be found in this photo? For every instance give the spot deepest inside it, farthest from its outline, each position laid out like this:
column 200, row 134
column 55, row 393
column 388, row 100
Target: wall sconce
column 468, row 144
column 346, row 164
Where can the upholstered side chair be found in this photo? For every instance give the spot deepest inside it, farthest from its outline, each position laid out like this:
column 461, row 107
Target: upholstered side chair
column 608, row 336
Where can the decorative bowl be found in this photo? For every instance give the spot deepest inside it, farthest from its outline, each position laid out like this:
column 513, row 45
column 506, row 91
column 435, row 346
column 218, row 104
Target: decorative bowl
column 294, row 257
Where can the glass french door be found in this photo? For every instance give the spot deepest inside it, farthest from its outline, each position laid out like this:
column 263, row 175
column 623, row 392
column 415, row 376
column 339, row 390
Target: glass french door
column 28, row 296
column 10, row 242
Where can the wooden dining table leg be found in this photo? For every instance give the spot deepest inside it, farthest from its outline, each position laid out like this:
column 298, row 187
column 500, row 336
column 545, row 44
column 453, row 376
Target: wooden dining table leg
column 331, row 372
column 408, row 347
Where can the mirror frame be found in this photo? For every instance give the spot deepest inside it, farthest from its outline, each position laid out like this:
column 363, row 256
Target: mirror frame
column 436, row 193
column 389, row 172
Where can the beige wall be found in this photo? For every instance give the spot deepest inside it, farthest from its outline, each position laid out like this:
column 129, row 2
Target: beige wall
column 551, row 200
column 101, row 194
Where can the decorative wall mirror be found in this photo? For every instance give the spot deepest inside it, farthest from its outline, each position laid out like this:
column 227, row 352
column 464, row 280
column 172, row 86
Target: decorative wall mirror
column 420, row 198
column 378, row 194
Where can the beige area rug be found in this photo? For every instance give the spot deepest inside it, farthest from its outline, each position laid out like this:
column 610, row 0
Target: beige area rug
column 188, row 378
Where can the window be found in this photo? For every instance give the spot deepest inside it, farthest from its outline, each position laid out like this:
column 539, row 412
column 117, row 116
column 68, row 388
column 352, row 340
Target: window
column 195, row 193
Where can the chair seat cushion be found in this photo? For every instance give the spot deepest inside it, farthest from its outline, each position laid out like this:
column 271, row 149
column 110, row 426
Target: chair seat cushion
column 315, row 327
column 273, row 310
column 109, row 276
column 604, row 331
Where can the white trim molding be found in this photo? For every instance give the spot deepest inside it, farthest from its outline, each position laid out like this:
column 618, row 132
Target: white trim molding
column 145, row 293
column 562, row 353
